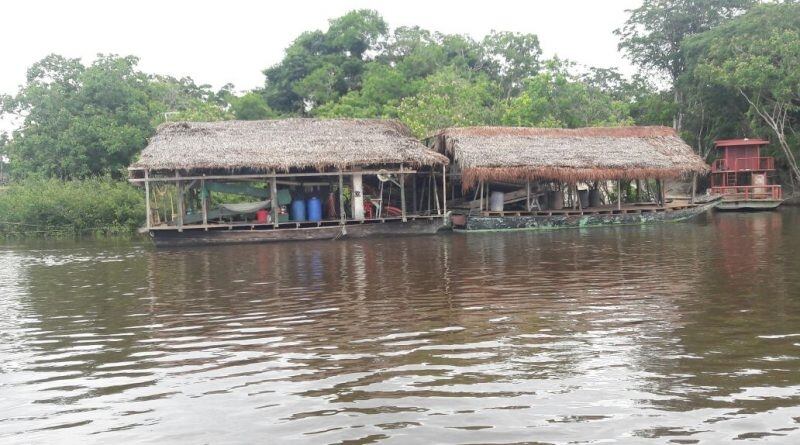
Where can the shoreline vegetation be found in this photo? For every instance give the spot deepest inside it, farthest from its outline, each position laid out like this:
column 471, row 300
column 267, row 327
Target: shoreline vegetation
column 51, row 208
column 711, row 69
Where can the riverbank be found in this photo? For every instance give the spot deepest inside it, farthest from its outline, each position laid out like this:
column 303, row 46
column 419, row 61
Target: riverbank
column 52, row 208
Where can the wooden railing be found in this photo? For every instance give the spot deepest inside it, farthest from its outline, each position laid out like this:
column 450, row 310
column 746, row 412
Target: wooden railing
column 749, row 192
column 743, row 164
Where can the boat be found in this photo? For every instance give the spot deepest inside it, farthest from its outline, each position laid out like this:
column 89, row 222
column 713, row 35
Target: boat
column 288, row 180
column 585, row 218
column 519, row 178
column 743, row 178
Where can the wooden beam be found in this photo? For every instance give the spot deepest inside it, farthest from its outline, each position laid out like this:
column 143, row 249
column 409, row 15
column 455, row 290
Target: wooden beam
column 342, row 216
column 480, row 186
column 273, row 193
column 146, row 197
column 619, row 194
column 403, row 194
column 528, row 195
column 444, row 191
column 261, row 176
column 414, row 194
column 204, row 204
column 181, row 209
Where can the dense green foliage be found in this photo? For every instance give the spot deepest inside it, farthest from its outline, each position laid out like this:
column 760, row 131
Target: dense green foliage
column 755, row 58
column 51, row 207
column 727, row 68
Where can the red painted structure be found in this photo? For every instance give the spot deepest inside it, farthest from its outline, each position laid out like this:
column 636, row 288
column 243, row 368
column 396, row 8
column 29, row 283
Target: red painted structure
column 741, row 173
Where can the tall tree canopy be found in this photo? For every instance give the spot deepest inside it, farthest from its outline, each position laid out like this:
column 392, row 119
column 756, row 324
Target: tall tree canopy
column 654, row 32
column 756, row 57
column 80, row 121
column 730, row 72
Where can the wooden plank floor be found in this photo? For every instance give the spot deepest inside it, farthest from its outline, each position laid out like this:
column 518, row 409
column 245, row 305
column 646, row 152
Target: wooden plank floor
column 635, row 208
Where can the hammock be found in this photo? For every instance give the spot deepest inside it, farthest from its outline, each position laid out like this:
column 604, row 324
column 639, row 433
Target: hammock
column 227, row 210
column 246, row 207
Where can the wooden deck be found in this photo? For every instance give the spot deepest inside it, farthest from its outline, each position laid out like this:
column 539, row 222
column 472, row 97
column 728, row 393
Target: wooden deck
column 253, row 225
column 630, row 214
column 251, row 232
column 637, row 208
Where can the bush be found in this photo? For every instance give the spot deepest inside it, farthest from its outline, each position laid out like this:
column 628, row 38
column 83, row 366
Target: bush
column 51, row 207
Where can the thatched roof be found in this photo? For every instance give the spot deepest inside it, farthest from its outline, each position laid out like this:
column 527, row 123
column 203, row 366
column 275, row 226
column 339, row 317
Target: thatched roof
column 567, row 155
column 283, row 144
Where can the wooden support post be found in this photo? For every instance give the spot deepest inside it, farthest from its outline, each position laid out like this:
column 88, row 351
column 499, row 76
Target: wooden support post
column 414, row 207
column 578, row 197
column 694, row 187
column 619, row 194
column 402, row 193
column 357, row 195
column 444, row 191
column 203, row 203
column 436, row 193
column 480, row 186
column 638, row 191
column 181, row 209
column 273, row 193
column 342, row 216
column 662, row 193
column 528, row 195
column 146, row 196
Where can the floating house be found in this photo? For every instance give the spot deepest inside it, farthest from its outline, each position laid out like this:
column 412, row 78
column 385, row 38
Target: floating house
column 743, row 177
column 271, row 180
column 527, row 178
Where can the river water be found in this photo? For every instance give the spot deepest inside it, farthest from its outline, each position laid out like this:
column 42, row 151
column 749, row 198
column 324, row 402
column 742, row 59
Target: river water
column 675, row 333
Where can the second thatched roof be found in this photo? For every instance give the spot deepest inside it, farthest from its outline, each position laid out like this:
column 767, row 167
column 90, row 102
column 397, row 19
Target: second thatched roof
column 283, row 144
column 567, row 155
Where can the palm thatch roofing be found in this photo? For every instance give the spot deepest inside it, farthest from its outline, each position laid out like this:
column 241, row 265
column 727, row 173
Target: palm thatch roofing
column 283, row 144
column 567, row 155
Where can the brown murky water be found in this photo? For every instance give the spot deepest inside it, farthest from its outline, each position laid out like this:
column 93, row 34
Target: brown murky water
column 681, row 333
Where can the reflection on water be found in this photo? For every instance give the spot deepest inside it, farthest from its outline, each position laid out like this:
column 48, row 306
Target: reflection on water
column 682, row 333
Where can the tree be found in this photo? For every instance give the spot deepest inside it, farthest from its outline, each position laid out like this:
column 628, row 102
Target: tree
column 514, row 57
column 654, row 32
column 320, row 67
column 449, row 98
column 757, row 55
column 251, row 106
column 555, row 98
column 79, row 121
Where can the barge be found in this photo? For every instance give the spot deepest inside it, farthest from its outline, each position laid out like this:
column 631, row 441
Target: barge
column 515, row 178
column 288, row 179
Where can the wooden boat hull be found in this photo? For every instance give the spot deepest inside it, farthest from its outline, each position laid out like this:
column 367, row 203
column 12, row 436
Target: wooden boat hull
column 588, row 219
column 200, row 236
column 751, row 205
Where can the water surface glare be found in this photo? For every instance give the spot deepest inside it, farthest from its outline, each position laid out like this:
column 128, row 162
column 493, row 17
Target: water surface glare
column 678, row 333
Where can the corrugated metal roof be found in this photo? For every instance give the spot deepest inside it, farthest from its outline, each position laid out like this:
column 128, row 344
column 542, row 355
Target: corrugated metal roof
column 738, row 142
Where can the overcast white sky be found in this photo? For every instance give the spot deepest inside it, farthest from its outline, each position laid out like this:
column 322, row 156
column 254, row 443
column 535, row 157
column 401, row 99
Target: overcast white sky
column 217, row 42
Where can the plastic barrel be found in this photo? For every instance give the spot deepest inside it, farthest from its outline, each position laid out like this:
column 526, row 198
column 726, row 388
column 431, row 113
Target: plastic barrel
column 594, row 198
column 299, row 210
column 555, row 200
column 583, row 195
column 314, row 209
column 496, row 200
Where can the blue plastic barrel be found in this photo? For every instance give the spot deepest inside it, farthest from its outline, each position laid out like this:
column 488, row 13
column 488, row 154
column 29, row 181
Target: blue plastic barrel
column 298, row 210
column 314, row 209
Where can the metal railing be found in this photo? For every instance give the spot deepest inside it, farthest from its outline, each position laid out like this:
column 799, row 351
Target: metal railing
column 745, row 192
column 743, row 164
